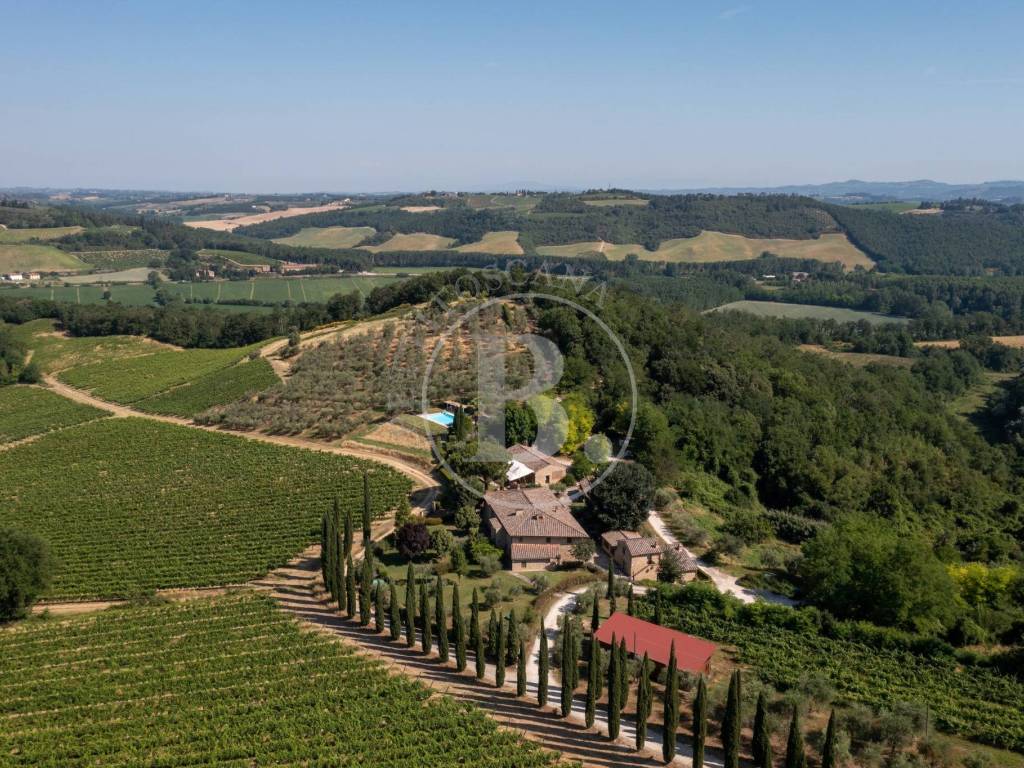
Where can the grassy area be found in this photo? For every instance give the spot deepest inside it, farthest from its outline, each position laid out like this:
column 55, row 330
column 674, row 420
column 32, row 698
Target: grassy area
column 130, row 505
column 239, row 257
column 778, row 309
column 417, row 241
column 54, row 351
column 521, row 203
column 130, row 380
column 218, row 387
column 132, row 275
column 718, row 246
column 230, row 681
column 495, row 242
column 608, row 202
column 116, row 260
column 894, row 207
column 328, row 237
column 859, row 359
column 28, row 411
column 26, row 257
column 39, row 233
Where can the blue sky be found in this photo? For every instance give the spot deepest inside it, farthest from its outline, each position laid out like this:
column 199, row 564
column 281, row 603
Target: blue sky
column 260, row 96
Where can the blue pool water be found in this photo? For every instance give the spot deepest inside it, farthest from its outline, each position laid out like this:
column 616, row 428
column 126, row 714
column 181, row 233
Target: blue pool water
column 444, row 418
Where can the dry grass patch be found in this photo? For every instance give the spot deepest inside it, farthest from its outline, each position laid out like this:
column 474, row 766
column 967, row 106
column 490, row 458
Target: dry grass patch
column 328, row 237
column 506, row 241
column 229, row 225
column 399, row 436
column 417, row 241
column 858, row 359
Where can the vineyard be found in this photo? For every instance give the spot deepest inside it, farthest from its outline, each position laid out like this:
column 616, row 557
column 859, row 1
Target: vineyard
column 215, row 388
column 128, row 381
column 971, row 702
column 224, row 682
column 130, row 505
column 28, row 411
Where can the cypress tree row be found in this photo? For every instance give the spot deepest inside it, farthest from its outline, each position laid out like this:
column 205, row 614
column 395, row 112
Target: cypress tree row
column 379, row 622
column 478, row 646
column 512, row 644
column 630, row 607
column 334, row 587
column 593, row 680
column 325, row 560
column 365, row 589
column 348, row 532
column 595, row 617
column 492, row 635
column 410, row 606
column 668, row 742
column 570, row 665
column 425, row 620
column 644, row 702
column 459, row 630
column 500, row 654
column 395, row 621
column 795, row 755
column 350, row 588
column 521, row 670
column 367, row 517
column 761, row 738
column 730, row 744
column 623, row 674
column 828, row 750
column 700, row 722
column 441, row 618
column 474, row 619
column 611, row 588
column 543, row 661
column 614, row 711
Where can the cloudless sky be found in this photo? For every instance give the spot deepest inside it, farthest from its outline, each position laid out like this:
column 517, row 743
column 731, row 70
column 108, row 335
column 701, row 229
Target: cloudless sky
column 369, row 96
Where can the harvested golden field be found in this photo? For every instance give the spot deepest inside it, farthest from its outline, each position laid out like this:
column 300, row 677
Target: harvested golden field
column 718, row 246
column 506, row 241
column 397, row 435
column 421, row 208
column 1017, row 342
column 858, row 359
column 417, row 241
column 229, row 225
column 328, row 237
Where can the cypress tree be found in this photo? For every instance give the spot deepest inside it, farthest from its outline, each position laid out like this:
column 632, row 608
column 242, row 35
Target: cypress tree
column 474, row 619
column 593, row 679
column 425, row 620
column 828, row 751
column 730, row 744
column 396, row 614
column 441, row 617
column 348, row 532
column 365, row 589
column 335, row 587
column 630, row 607
column 478, row 647
column 574, row 654
column 350, row 588
column 614, row 711
column 521, row 670
column 795, row 756
column 500, row 655
column 367, row 516
column 611, row 588
column 410, row 606
column 761, row 736
column 325, row 563
column 339, row 571
column 492, row 634
column 379, row 622
column 512, row 644
column 542, row 668
column 459, row 629
column 668, row 742
column 595, row 617
column 644, row 702
column 623, row 674
column 700, row 722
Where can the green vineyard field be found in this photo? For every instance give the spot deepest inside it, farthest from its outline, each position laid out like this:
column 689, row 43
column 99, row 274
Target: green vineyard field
column 130, row 505
column 28, row 411
column 224, row 682
column 215, row 388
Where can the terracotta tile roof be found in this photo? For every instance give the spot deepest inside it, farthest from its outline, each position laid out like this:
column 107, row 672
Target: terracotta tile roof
column 534, row 512
column 640, row 547
column 531, row 457
column 534, row 552
column 692, row 653
column 611, row 538
column 690, row 564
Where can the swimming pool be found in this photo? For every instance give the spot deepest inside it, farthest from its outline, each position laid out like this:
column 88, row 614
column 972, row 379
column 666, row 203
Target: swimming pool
column 444, row 418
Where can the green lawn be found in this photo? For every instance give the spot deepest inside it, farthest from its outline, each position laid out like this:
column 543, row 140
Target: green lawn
column 26, row 257
column 328, row 237
column 813, row 311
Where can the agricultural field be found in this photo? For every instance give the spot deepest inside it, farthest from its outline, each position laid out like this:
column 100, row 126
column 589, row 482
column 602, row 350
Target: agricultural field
column 718, row 246
column 328, row 237
column 521, row 203
column 28, row 257
column 813, row 311
column 38, row 233
column 120, row 260
column 858, row 359
column 139, row 505
column 417, row 241
column 29, row 411
column 505, row 242
column 127, row 381
column 608, row 202
column 131, row 275
column 243, row 258
column 228, row 681
column 53, row 351
column 218, row 387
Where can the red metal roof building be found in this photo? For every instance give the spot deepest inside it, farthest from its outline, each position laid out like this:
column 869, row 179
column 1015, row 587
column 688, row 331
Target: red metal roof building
column 692, row 653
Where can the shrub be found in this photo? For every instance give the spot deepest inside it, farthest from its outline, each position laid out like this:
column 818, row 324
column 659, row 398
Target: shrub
column 583, row 550
column 441, row 540
column 489, row 564
column 665, row 497
column 412, row 539
column 467, row 518
column 747, row 526
column 26, row 571
column 478, row 547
